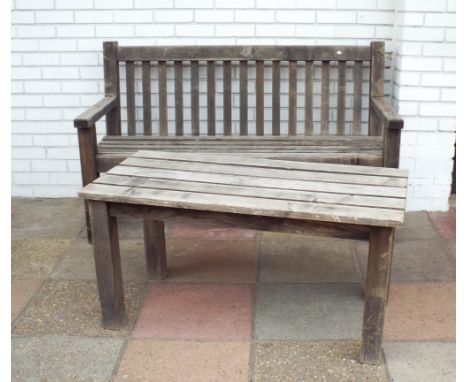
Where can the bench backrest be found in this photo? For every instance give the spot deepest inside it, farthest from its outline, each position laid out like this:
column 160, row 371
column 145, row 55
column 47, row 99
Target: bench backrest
column 187, row 62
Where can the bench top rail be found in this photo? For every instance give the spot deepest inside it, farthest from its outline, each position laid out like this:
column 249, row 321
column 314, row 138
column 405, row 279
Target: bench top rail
column 264, row 187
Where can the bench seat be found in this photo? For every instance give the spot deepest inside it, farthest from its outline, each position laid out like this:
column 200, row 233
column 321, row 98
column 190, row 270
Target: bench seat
column 356, row 150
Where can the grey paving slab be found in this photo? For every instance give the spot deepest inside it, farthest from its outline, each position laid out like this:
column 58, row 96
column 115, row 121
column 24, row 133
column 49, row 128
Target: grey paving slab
column 313, row 361
column 420, row 361
column 78, row 261
column 308, row 311
column 64, row 358
column 415, row 260
column 60, row 217
column 307, row 259
column 417, row 225
column 36, row 257
column 64, row 307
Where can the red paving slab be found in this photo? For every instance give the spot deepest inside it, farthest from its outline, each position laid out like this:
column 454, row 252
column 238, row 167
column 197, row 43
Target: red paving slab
column 182, row 361
column 445, row 222
column 196, row 311
column 420, row 311
column 205, row 231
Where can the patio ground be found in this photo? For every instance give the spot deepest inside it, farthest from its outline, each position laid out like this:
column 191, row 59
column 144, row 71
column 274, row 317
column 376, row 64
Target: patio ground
column 238, row 305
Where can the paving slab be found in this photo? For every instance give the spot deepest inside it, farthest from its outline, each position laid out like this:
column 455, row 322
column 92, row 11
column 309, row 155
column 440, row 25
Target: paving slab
column 415, row 260
column 36, row 257
column 307, row 259
column 78, row 261
column 22, row 291
column 196, row 311
column 420, row 361
column 313, row 361
column 64, row 358
column 182, row 361
column 452, row 246
column 420, row 311
column 417, row 225
column 207, row 231
column 308, row 311
column 200, row 260
column 445, row 222
column 66, row 307
column 44, row 217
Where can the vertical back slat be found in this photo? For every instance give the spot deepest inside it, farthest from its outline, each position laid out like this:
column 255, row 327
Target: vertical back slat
column 325, row 107
column 179, row 98
column 162, row 87
column 309, row 100
column 211, row 98
column 259, row 90
column 195, row 95
column 275, row 95
column 147, row 122
column 292, row 98
column 227, row 107
column 112, row 86
column 376, row 84
column 130, row 80
column 357, row 97
column 243, row 94
column 340, row 126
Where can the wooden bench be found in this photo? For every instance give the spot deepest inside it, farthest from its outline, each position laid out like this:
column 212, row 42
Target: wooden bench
column 334, row 200
column 257, row 122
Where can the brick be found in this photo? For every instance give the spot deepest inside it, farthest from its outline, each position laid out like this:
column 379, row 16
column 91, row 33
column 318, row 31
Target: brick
column 43, row 114
column 22, row 73
column 48, row 165
column 154, row 30
column 315, row 30
column 214, row 16
column 377, row 17
column 440, row 20
column 77, row 59
column 237, row 4
column 420, row 124
column 336, row 17
column 422, row 6
column 451, row 5
column 31, row 178
column 94, row 73
column 448, row 95
column 35, row 31
column 27, row 153
column 57, row 45
column 149, row 4
column 133, row 16
column 173, row 16
column 54, row 17
column 17, row 87
column 407, row 78
column 451, row 35
column 16, row 59
column 114, row 30
column 42, row 87
column 419, row 63
column 439, row 79
column 189, row 4
column 21, row 140
column 255, row 16
column 75, row 30
column 410, row 19
column 61, row 100
column 67, row 178
column 80, row 87
column 274, row 4
column 235, row 30
column 422, row 34
column 357, row 31
column 113, row 4
column 62, row 153
column 386, row 4
column 408, row 93
column 447, row 124
column 195, row 30
column 17, row 114
column 450, row 65
column 410, row 48
column 439, row 49
column 276, row 30
column 34, row 4
column 67, row 4
column 384, row 32
column 22, row 17
column 20, row 165
column 357, row 4
column 94, row 17
column 26, row 100
column 303, row 16
column 24, row 45
column 442, row 109
column 60, row 73
column 316, row 4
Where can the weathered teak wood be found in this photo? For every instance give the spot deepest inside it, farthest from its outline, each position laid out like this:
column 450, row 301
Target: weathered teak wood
column 357, row 100
column 112, row 86
column 227, row 104
column 272, row 195
column 259, row 87
column 309, row 100
column 276, row 98
column 162, row 84
column 325, row 107
column 130, row 80
column 376, row 83
column 179, row 98
column 292, row 126
column 108, row 266
column 243, row 89
column 155, row 248
column 195, row 94
column 378, row 270
column 147, row 119
column 340, row 125
column 211, row 93
column 95, row 112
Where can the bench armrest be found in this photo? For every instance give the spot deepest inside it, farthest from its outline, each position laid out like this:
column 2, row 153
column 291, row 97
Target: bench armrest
column 95, row 112
column 391, row 119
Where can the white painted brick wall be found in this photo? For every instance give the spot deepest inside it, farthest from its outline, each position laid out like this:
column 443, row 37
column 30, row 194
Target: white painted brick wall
column 57, row 70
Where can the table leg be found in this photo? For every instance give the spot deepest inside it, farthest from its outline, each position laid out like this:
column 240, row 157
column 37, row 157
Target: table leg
column 155, row 248
column 378, row 268
column 108, row 265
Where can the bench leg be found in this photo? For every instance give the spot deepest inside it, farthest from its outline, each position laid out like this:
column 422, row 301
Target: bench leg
column 108, row 266
column 155, row 248
column 390, row 270
column 378, row 269
column 89, row 233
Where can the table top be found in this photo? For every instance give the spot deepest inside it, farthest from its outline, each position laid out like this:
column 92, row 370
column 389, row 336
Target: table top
column 337, row 193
